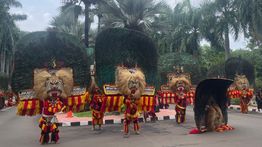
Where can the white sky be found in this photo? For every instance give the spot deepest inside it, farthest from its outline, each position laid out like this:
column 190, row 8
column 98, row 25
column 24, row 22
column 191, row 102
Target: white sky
column 40, row 13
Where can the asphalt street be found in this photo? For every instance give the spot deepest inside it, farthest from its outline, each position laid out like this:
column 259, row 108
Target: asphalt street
column 16, row 131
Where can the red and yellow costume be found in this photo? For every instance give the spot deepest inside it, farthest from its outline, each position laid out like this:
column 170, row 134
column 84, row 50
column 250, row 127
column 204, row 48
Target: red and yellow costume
column 241, row 89
column 244, row 95
column 131, row 114
column 180, row 99
column 47, row 123
column 97, row 113
column 48, row 108
column 183, row 98
column 181, row 110
column 178, row 91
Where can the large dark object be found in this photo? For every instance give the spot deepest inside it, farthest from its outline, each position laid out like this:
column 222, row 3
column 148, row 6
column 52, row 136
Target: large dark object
column 216, row 88
column 116, row 46
column 237, row 65
column 41, row 49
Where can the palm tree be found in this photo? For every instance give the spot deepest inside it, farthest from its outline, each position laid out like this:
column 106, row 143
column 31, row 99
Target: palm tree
column 181, row 32
column 132, row 14
column 250, row 14
column 86, row 11
column 226, row 21
column 186, row 25
column 9, row 33
column 208, row 27
column 68, row 20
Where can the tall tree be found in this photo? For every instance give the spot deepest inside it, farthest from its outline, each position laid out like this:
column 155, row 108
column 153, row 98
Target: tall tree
column 9, row 33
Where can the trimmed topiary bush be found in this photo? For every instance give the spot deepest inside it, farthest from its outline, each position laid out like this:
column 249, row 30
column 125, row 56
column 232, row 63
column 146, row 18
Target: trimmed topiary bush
column 37, row 50
column 237, row 65
column 115, row 46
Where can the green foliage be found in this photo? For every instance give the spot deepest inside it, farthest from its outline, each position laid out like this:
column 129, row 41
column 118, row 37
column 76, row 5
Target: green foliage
column 237, row 65
column 3, row 82
column 254, row 57
column 259, row 83
column 212, row 61
column 8, row 30
column 132, row 14
column 210, row 57
column 235, row 101
column 36, row 50
column 116, row 46
column 249, row 12
column 68, row 20
column 189, row 62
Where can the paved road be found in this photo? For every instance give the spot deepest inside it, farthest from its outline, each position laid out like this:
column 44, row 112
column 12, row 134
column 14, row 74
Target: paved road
column 23, row 132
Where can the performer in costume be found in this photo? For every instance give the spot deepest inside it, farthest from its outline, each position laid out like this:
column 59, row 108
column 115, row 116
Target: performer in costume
column 97, row 101
column 46, row 87
column 131, row 114
column 180, row 85
column 97, row 114
column 131, row 83
column 259, row 100
column 241, row 89
column 178, row 91
column 58, row 85
column 51, row 94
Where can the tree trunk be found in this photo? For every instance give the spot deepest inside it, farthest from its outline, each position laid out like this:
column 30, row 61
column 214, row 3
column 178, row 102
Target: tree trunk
column 4, row 61
column 1, row 61
column 87, row 22
column 99, row 23
column 226, row 44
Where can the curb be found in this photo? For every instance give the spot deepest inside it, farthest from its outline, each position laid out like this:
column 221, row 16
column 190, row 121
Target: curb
column 238, row 108
column 112, row 121
column 6, row 108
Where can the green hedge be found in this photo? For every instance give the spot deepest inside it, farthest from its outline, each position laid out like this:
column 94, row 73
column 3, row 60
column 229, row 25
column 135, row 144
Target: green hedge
column 37, row 49
column 117, row 45
column 3, row 82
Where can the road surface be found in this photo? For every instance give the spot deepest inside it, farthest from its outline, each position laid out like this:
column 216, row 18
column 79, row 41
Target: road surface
column 16, row 131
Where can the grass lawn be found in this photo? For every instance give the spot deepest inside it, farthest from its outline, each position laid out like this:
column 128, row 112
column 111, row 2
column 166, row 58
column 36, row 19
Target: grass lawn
column 235, row 101
column 89, row 114
column 83, row 114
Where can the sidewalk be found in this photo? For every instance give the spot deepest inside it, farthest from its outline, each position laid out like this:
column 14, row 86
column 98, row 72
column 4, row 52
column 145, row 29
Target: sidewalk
column 164, row 114
column 250, row 108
